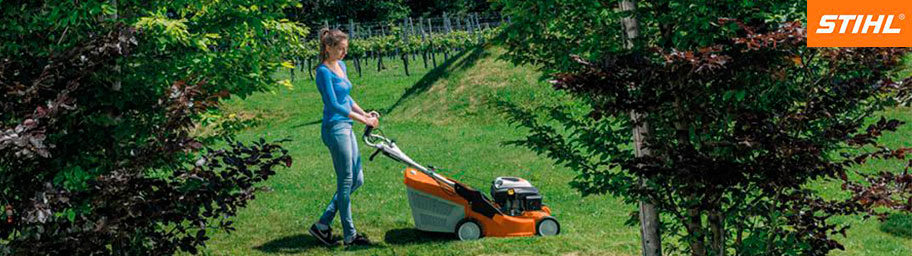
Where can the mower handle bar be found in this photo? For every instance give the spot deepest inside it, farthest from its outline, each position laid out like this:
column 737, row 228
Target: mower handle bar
column 389, row 148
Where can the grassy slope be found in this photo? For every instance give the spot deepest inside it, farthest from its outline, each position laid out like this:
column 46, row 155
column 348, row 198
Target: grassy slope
column 441, row 117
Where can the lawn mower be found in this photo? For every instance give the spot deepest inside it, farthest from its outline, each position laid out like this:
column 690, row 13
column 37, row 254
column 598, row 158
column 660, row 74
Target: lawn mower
column 441, row 204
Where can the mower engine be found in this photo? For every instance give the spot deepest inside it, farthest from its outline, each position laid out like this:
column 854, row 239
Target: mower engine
column 515, row 195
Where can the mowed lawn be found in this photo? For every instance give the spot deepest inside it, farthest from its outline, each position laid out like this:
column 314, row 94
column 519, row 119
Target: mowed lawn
column 443, row 117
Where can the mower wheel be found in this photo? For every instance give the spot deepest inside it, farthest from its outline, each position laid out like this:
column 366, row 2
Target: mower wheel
column 547, row 226
column 468, row 229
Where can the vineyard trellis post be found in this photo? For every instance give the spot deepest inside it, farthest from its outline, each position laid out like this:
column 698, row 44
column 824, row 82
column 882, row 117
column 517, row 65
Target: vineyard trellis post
column 423, row 40
column 446, row 22
column 432, row 48
column 478, row 27
column 403, row 53
column 405, row 40
column 470, row 25
column 449, row 29
column 292, row 70
column 370, row 33
column 354, row 35
column 310, row 68
column 459, row 23
column 412, row 32
column 379, row 53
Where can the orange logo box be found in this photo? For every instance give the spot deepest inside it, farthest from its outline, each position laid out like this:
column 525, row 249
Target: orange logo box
column 872, row 23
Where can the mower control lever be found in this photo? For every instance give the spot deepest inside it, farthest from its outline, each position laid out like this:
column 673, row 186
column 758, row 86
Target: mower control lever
column 375, row 154
column 373, row 141
column 368, row 130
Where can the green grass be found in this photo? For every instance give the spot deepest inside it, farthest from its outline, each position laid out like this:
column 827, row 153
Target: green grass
column 898, row 225
column 442, row 117
column 439, row 117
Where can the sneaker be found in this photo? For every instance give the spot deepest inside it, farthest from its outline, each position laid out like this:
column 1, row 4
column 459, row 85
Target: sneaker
column 325, row 236
column 360, row 239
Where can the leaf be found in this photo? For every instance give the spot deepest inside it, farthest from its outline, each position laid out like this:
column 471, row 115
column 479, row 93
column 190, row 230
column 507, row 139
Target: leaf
column 288, row 161
column 71, row 215
column 287, row 84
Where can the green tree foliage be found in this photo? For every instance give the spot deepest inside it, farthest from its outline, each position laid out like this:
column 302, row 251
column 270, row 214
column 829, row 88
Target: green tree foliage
column 339, row 12
column 742, row 117
column 316, row 12
column 413, row 44
column 98, row 101
column 437, row 8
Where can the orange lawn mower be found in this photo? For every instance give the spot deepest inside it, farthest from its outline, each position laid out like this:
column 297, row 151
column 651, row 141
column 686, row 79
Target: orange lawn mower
column 441, row 204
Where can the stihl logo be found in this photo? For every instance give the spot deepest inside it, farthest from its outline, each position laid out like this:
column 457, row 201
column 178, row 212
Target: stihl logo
column 861, row 24
column 853, row 23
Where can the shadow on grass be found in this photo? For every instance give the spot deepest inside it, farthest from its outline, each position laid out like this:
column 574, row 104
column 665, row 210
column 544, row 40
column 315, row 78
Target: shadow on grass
column 290, row 244
column 461, row 61
column 414, row 236
column 318, row 121
column 899, row 225
column 301, row 243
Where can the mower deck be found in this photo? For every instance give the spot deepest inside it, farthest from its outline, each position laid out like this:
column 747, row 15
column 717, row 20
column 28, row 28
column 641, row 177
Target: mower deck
column 439, row 208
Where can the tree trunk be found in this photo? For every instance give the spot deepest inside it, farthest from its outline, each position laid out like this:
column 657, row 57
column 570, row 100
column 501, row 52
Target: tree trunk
column 649, row 217
column 694, row 221
column 694, row 225
column 717, row 226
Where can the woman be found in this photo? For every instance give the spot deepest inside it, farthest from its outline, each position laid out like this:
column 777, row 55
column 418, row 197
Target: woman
column 339, row 109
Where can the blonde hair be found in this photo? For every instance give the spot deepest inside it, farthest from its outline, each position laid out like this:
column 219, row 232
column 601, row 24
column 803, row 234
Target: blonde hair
column 330, row 38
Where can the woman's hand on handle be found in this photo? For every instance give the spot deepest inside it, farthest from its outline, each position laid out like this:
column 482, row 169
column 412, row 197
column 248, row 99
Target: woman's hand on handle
column 373, row 122
column 375, row 117
column 367, row 120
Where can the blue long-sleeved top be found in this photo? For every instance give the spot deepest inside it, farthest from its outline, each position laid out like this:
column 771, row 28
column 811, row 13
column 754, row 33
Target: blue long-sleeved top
column 337, row 103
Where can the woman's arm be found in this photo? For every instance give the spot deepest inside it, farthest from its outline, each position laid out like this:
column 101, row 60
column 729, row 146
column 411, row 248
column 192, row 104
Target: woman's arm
column 364, row 119
column 356, row 107
column 370, row 119
column 324, row 85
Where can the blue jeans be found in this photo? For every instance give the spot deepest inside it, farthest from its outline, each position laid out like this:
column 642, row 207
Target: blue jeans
column 343, row 147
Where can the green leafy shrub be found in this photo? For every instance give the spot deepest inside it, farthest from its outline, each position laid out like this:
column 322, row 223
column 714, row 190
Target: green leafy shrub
column 737, row 114
column 98, row 102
